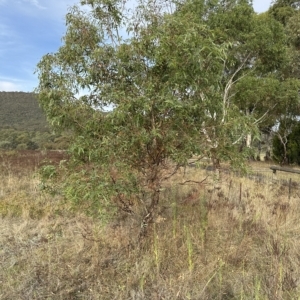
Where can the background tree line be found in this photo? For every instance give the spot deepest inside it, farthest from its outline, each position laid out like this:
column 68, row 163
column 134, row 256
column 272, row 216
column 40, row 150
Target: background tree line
column 23, row 125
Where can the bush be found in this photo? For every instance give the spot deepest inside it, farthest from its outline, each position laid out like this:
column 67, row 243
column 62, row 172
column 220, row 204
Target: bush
column 22, row 147
column 5, row 145
column 32, row 145
column 292, row 148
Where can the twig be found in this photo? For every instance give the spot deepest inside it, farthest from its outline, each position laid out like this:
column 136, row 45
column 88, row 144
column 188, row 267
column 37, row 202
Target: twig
column 193, row 181
column 171, row 174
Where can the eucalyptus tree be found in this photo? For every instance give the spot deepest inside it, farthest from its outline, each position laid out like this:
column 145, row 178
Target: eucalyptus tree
column 283, row 10
column 259, row 52
column 288, row 110
column 163, row 80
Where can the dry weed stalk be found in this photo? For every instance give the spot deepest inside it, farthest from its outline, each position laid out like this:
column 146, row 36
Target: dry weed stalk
column 206, row 243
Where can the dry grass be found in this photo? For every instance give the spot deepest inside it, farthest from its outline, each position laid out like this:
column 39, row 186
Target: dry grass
column 235, row 240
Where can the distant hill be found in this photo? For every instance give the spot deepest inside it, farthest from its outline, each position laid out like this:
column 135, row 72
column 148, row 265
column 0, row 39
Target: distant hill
column 20, row 110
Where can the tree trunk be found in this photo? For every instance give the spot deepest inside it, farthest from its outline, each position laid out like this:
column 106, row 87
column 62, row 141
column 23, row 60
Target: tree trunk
column 154, row 186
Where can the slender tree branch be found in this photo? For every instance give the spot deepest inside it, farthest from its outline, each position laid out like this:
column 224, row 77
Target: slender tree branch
column 229, row 86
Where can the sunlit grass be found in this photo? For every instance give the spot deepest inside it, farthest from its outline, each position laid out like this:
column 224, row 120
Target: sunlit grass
column 236, row 241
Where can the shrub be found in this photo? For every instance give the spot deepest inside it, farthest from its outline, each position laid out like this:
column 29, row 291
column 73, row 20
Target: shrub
column 292, row 155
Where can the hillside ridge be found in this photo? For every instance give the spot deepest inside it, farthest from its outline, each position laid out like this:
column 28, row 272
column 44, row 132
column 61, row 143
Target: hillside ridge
column 21, row 111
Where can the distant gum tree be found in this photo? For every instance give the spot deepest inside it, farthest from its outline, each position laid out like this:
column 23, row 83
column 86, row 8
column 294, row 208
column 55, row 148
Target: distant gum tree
column 288, row 99
column 162, row 75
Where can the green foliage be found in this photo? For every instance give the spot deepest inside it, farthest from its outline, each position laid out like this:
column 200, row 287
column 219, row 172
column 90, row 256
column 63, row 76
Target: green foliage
column 32, row 140
column 257, row 41
column 283, row 10
column 258, row 65
column 48, row 171
column 287, row 108
column 293, row 30
column 289, row 153
column 168, row 86
column 6, row 145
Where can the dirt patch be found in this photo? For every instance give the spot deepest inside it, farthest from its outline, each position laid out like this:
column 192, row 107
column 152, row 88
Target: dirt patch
column 29, row 160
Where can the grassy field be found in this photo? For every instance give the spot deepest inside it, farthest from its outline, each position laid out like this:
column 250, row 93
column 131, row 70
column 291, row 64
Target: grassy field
column 238, row 238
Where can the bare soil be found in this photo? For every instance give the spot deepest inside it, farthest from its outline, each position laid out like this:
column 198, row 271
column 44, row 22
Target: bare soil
column 29, row 160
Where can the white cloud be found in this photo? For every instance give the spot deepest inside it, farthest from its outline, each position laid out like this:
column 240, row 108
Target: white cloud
column 6, row 86
column 13, row 84
column 35, row 3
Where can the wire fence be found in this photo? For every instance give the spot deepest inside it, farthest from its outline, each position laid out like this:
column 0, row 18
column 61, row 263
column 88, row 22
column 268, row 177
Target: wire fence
column 284, row 178
column 287, row 178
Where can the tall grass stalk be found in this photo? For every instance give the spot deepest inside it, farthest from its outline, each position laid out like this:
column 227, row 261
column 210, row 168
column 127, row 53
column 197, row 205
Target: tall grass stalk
column 257, row 286
column 203, row 215
column 156, row 248
column 174, row 218
column 189, row 246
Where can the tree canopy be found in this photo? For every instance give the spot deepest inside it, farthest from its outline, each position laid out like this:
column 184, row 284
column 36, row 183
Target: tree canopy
column 287, row 101
column 176, row 78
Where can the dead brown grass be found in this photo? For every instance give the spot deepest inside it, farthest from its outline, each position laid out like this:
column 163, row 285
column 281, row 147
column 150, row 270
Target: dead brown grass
column 238, row 239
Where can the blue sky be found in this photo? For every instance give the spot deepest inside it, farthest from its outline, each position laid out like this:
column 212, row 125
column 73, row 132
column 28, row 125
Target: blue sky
column 30, row 29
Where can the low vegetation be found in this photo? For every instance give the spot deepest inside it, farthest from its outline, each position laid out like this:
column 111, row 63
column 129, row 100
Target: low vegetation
column 232, row 239
column 23, row 124
column 21, row 111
